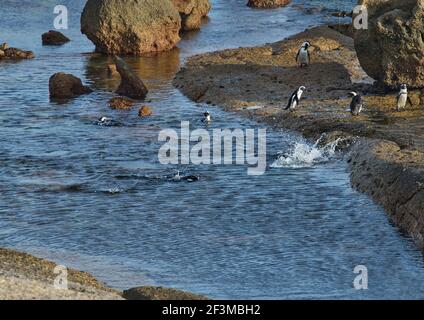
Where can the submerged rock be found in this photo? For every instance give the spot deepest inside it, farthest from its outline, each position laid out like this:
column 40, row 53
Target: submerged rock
column 192, row 12
column 121, row 103
column 145, row 111
column 268, row 3
column 65, row 86
column 391, row 50
column 131, row 85
column 159, row 293
column 54, row 38
column 131, row 27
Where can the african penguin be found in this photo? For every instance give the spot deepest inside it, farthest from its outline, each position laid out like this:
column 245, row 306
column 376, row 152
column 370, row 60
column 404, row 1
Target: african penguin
column 356, row 104
column 206, row 117
column 295, row 99
column 403, row 98
column 303, row 58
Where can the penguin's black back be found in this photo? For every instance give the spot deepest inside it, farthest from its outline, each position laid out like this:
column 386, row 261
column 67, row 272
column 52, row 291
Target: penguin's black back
column 356, row 103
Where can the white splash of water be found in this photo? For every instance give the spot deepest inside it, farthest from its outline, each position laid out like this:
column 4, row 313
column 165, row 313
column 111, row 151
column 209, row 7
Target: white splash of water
column 304, row 155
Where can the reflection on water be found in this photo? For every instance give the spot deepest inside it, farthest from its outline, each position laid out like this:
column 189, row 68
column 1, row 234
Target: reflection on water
column 95, row 197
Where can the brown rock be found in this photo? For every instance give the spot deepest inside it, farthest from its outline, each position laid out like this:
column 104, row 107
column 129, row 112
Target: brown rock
column 268, row 3
column 159, row 293
column 54, row 38
column 121, row 103
column 65, row 86
column 111, row 70
column 131, row 27
column 145, row 111
column 391, row 50
column 192, row 12
column 4, row 46
column 131, row 85
column 16, row 54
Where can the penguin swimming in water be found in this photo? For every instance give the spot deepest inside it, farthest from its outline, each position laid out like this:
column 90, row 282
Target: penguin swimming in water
column 356, row 104
column 303, row 57
column 403, row 98
column 206, row 117
column 295, row 99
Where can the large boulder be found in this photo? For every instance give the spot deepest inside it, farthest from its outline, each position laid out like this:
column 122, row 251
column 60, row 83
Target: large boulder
column 391, row 50
column 131, row 85
column 268, row 3
column 65, row 86
column 131, row 27
column 192, row 12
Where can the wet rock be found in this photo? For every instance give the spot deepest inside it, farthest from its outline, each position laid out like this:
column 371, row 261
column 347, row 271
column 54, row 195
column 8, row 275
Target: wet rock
column 145, row 111
column 54, row 38
column 346, row 29
column 391, row 49
column 342, row 140
column 192, row 12
column 394, row 178
column 65, row 86
column 121, row 103
column 7, row 53
column 4, row 46
column 131, row 27
column 159, row 293
column 111, row 70
column 342, row 14
column 131, row 85
column 268, row 3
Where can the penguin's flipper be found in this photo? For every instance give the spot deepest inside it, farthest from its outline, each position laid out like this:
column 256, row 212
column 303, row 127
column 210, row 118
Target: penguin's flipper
column 297, row 56
column 409, row 101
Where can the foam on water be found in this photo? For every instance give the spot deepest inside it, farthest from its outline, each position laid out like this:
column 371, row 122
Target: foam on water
column 303, row 154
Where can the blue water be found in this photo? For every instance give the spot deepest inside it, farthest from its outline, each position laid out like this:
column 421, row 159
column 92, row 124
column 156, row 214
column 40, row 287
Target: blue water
column 96, row 198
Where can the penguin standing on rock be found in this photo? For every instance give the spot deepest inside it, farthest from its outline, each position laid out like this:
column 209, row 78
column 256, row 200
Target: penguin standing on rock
column 403, row 98
column 303, row 57
column 356, row 104
column 295, row 99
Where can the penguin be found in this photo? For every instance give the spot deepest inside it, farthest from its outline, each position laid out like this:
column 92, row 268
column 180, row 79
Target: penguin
column 356, row 105
column 295, row 99
column 303, row 57
column 176, row 177
column 206, row 117
column 104, row 121
column 403, row 98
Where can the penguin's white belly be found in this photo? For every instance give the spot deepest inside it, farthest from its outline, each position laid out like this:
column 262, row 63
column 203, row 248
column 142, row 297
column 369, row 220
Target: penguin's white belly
column 303, row 57
column 402, row 101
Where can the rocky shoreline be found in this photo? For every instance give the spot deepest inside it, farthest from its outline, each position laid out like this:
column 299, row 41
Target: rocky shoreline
column 25, row 277
column 387, row 159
